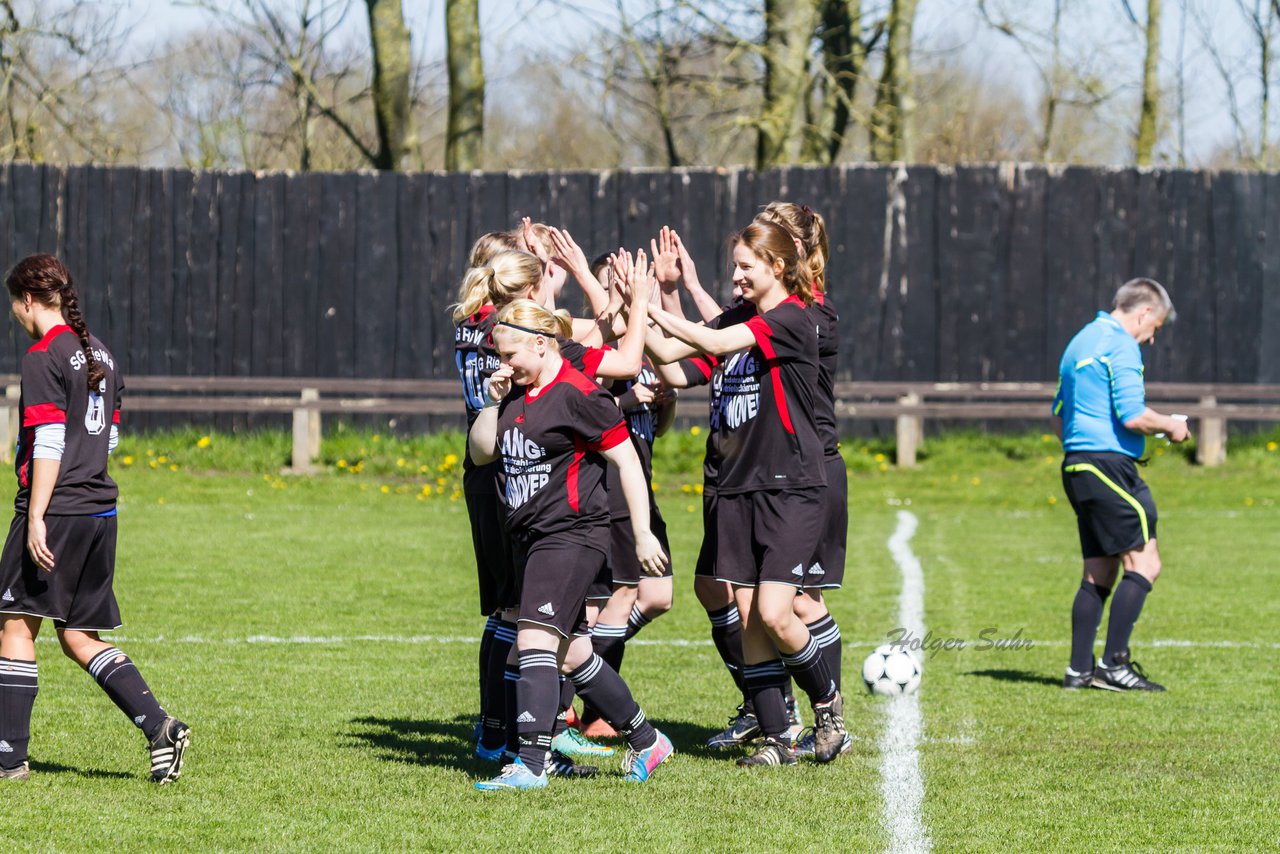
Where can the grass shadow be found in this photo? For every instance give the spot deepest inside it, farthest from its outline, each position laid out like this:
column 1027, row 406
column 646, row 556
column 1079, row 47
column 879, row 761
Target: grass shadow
column 690, row 738
column 444, row 743
column 91, row 773
column 1027, row 676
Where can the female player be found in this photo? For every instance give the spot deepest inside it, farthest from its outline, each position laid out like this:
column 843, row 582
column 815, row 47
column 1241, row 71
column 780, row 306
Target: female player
column 59, row 558
column 476, row 361
column 770, row 480
column 553, row 430
column 826, row 570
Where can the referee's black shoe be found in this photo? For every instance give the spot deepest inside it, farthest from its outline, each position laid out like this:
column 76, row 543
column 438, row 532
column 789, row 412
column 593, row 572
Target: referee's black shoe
column 1073, row 681
column 1123, row 675
column 168, row 749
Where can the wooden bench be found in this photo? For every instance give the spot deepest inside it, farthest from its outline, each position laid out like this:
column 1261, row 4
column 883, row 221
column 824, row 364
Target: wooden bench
column 909, row 404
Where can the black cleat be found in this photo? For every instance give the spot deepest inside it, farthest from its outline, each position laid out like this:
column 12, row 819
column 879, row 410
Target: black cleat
column 828, row 729
column 1073, row 681
column 1125, row 675
column 22, row 772
column 771, row 751
column 743, row 727
column 168, row 749
column 559, row 765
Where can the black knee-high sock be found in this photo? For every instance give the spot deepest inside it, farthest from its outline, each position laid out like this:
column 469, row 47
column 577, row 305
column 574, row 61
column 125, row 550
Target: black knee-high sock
column 600, row 685
column 825, row 631
column 610, row 643
column 18, row 687
column 495, row 711
column 809, row 669
column 636, row 621
column 119, row 677
column 538, row 694
column 510, row 689
column 1086, row 616
column 726, row 634
column 1126, row 607
column 764, row 689
column 565, row 701
column 486, row 643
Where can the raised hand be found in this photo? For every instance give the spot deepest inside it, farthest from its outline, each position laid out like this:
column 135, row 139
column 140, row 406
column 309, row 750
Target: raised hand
column 666, row 260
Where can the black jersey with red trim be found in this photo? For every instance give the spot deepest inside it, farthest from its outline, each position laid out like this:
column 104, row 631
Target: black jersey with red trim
column 827, row 320
column 476, row 358
column 55, row 391
column 768, row 434
column 642, row 425
column 705, row 370
column 585, row 359
column 549, row 441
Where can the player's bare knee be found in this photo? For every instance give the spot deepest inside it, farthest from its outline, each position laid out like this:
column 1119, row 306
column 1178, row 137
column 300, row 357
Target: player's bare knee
column 712, row 595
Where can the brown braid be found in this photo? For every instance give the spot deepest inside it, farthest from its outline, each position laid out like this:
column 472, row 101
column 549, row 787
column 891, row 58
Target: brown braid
column 49, row 283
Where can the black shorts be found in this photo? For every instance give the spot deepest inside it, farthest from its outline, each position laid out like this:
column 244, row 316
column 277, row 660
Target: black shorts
column 826, row 570
column 768, row 537
column 492, row 547
column 706, row 565
column 77, row 594
column 601, row 586
column 1114, row 508
column 624, row 567
column 555, row 573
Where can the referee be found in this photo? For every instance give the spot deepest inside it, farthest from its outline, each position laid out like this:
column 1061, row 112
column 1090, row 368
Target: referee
column 1105, row 420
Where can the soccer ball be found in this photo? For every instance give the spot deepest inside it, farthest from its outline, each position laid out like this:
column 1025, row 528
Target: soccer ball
column 891, row 670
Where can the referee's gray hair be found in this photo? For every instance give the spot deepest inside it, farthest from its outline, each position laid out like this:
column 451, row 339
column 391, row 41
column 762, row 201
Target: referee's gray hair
column 1143, row 291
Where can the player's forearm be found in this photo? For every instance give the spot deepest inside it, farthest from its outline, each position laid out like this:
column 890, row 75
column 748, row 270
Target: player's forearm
column 707, row 307
column 483, row 438
column 44, row 474
column 636, row 493
column 718, row 342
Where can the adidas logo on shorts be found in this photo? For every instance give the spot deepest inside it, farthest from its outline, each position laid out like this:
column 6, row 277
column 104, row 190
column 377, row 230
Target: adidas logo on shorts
column 817, row 569
column 526, row 718
column 8, row 595
column 547, row 609
column 798, row 570
column 5, row 748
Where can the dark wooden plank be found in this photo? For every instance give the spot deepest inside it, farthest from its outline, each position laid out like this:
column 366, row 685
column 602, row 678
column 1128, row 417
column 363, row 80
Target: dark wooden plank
column 376, row 273
column 337, row 286
column 434, row 248
column 52, row 209
column 413, row 287
column 493, row 213
column 1025, row 324
column 1070, row 258
column 142, row 337
column 118, row 240
column 526, row 196
column 242, row 360
column 646, row 199
column 1239, row 295
column 91, row 209
column 27, row 198
column 300, row 260
column 1117, row 191
column 232, row 189
column 271, row 282
column 604, row 233
column 204, row 260
column 572, row 195
column 178, row 258
column 1269, row 315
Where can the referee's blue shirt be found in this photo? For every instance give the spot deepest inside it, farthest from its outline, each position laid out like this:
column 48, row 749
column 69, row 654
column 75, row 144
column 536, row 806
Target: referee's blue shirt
column 1100, row 388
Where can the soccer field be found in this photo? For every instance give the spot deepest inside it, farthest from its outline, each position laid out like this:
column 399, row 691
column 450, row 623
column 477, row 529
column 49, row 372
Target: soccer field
column 319, row 635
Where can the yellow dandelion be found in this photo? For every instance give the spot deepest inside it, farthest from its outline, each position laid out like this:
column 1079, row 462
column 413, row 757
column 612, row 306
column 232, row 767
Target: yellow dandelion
column 173, row 467
column 688, row 508
column 884, row 467
column 1047, row 437
column 426, row 489
column 1159, row 452
column 695, row 430
column 975, row 481
column 1050, row 460
column 153, row 464
column 127, row 461
column 204, row 442
column 1249, row 502
column 456, row 495
column 451, row 459
column 880, row 458
column 441, row 481
column 697, row 488
column 150, row 453
column 400, row 462
column 384, row 489
column 358, row 467
column 1271, row 446
column 342, row 464
column 954, row 478
column 162, row 459
column 424, row 469
column 266, row 478
column 1053, row 499
column 377, row 437
column 422, row 497
column 686, row 489
column 160, row 500
column 401, row 490
column 654, row 485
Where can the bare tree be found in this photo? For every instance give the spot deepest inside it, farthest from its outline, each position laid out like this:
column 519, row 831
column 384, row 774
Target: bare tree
column 830, row 105
column 392, row 69
column 789, row 27
column 1146, row 142
column 464, row 145
column 893, row 104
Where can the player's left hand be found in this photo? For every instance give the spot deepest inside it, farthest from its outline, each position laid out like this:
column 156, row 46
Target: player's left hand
column 649, row 551
column 37, row 545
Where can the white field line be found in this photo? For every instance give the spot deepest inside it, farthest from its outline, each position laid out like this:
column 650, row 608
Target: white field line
column 901, row 785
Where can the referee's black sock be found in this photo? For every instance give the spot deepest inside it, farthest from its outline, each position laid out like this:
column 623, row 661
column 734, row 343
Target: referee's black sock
column 118, row 676
column 602, row 687
column 495, row 708
column 825, row 631
column 1126, row 607
column 18, row 688
column 1086, row 616
column 765, row 683
column 726, row 634
column 810, row 671
column 537, row 699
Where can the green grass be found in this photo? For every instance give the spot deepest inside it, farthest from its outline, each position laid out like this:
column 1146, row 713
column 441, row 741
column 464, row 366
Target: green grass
column 356, row 738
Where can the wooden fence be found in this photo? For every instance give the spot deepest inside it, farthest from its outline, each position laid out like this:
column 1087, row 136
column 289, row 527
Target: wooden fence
column 976, row 274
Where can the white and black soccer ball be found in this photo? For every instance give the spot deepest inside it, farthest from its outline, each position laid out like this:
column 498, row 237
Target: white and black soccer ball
column 891, row 670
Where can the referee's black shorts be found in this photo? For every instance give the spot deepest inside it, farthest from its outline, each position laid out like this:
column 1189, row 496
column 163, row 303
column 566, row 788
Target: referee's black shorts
column 1114, row 508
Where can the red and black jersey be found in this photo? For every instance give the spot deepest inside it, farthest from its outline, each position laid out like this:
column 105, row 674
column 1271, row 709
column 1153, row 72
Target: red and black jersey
column 55, row 391
column 642, row 425
column 477, row 359
column 827, row 320
column 553, row 475
column 768, row 433
column 584, row 359
column 705, row 370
